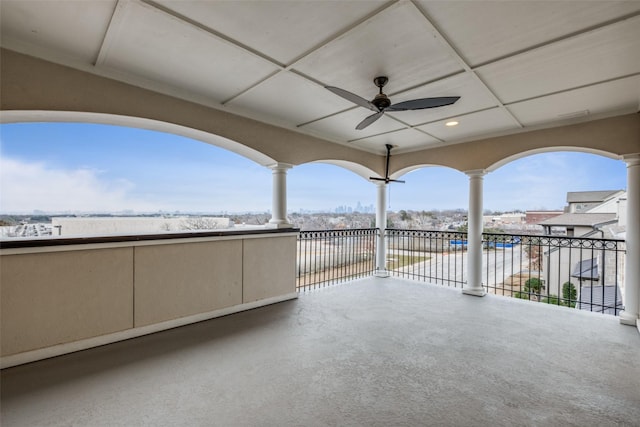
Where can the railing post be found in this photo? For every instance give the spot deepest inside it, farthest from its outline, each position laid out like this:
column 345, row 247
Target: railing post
column 381, row 225
column 631, row 311
column 474, row 235
column 279, row 196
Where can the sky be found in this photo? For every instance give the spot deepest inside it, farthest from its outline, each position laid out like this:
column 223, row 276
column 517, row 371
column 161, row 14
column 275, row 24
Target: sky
column 91, row 168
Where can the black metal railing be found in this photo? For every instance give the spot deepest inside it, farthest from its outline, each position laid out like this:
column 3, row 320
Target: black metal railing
column 430, row 256
column 333, row 256
column 577, row 272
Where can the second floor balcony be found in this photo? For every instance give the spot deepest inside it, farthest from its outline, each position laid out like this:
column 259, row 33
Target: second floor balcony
column 286, row 86
column 406, row 348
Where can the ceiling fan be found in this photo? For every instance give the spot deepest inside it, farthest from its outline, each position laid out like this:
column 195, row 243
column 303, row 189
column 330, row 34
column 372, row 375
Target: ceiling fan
column 386, row 178
column 382, row 103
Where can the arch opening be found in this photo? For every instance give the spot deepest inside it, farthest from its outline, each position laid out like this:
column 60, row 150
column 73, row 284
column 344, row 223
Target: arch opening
column 331, row 194
column 541, row 179
column 553, row 149
column 71, row 167
column 136, row 122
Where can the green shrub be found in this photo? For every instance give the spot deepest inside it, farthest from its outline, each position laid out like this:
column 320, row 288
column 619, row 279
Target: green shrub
column 522, row 295
column 533, row 285
column 569, row 291
column 552, row 299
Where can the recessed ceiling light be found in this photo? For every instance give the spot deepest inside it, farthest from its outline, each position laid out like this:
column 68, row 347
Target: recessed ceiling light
column 451, row 123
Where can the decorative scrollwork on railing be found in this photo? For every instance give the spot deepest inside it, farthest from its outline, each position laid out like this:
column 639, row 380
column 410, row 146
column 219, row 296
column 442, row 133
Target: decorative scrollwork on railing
column 577, row 272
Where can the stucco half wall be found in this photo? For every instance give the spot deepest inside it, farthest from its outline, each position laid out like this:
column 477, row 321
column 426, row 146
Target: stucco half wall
column 30, row 84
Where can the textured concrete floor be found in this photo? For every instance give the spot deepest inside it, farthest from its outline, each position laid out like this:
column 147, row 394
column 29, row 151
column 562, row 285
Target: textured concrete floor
column 375, row 352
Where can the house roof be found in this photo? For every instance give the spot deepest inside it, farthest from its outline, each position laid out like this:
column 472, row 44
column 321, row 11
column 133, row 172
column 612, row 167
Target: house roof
column 602, row 299
column 590, row 196
column 580, row 219
column 586, row 270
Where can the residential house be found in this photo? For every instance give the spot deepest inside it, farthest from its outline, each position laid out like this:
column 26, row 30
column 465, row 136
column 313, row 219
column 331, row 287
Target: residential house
column 597, row 274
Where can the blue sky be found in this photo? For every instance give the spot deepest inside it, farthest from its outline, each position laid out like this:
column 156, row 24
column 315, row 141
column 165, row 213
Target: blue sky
column 69, row 167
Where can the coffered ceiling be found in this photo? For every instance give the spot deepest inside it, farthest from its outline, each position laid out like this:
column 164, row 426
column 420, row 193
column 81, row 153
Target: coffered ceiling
column 516, row 65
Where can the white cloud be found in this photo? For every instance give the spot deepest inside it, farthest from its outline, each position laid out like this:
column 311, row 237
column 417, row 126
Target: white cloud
column 28, row 186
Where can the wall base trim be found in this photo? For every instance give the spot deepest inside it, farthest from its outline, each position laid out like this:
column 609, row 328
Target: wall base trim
column 60, row 349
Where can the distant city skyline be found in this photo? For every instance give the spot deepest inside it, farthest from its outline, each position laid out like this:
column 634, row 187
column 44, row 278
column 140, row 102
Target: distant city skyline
column 90, row 168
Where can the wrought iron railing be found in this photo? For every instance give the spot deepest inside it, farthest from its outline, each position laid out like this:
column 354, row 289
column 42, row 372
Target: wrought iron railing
column 333, row 256
column 576, row 272
column 430, row 256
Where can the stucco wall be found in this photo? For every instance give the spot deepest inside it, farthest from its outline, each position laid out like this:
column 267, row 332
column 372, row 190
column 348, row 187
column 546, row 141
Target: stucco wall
column 52, row 296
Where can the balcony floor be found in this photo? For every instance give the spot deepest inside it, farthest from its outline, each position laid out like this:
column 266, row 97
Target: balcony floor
column 371, row 352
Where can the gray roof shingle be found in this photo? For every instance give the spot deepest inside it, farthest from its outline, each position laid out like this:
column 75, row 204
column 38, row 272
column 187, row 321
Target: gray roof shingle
column 602, row 299
column 584, row 219
column 589, row 196
column 586, row 270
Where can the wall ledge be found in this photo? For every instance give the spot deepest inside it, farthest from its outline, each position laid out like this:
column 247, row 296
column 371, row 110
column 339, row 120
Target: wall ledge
column 127, row 240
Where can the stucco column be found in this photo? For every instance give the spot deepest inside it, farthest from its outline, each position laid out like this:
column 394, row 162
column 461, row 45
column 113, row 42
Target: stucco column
column 631, row 311
column 279, row 196
column 381, row 224
column 474, row 235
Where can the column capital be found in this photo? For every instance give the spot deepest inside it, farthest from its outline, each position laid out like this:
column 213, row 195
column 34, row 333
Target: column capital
column 280, row 166
column 476, row 173
column 631, row 159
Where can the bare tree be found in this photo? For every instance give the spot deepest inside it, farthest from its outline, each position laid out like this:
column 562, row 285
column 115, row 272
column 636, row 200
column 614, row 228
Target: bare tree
column 199, row 223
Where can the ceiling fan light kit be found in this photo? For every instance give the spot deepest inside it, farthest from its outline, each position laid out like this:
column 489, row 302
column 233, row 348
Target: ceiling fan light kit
column 382, row 103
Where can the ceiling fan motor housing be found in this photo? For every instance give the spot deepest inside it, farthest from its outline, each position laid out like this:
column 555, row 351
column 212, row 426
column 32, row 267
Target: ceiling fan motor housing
column 381, row 101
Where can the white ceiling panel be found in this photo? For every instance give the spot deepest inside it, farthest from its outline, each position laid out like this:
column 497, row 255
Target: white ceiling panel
column 396, row 43
column 402, row 141
column 283, row 30
column 618, row 96
column 268, row 59
column 482, row 31
column 152, row 44
column 474, row 96
column 69, row 28
column 590, row 58
column 279, row 97
column 342, row 127
column 476, row 124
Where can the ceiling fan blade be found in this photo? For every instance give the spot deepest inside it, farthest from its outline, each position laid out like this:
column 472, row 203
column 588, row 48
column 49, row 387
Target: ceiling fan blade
column 368, row 120
column 422, row 103
column 387, row 180
column 352, row 97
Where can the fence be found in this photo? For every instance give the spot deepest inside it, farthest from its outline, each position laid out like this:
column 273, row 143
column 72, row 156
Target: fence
column 333, row 256
column 576, row 272
column 430, row 256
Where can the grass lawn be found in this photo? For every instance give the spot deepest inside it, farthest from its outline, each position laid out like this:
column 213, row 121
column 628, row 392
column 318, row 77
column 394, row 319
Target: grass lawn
column 399, row 261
